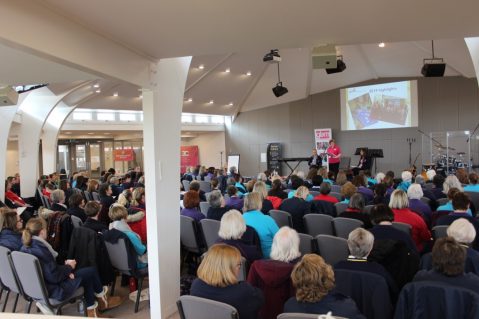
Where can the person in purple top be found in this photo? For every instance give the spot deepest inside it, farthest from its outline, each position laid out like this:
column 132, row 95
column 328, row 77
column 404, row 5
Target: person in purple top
column 415, row 193
column 191, row 201
column 234, row 201
column 360, row 182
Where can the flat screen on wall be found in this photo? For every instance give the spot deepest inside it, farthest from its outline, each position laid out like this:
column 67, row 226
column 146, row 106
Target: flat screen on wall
column 379, row 106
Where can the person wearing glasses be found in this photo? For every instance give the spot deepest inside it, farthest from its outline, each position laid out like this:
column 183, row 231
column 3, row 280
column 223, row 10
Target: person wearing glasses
column 10, row 225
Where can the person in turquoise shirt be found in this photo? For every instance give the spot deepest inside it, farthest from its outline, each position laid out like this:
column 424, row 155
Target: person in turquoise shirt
column 296, row 182
column 448, row 206
column 473, row 185
column 264, row 225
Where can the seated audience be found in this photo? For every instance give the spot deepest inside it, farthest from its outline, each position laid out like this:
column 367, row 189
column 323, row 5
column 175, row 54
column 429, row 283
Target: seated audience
column 106, row 200
column 276, row 194
column 297, row 206
column 360, row 243
column 138, row 199
column 360, row 182
column 232, row 228
column 137, row 213
column 324, row 190
column 92, row 210
column 264, row 225
column 297, row 182
column 260, row 187
column 406, row 177
column 273, row 276
column 10, row 226
column 380, row 194
column 380, row 177
column 217, row 205
column 234, row 200
column 76, row 206
column 218, row 280
column 341, row 178
column 448, row 259
column 347, row 190
column 116, row 188
column 191, row 201
column 316, row 182
column 62, row 280
column 473, row 185
column 314, row 283
column 399, row 204
column 449, row 206
column 415, row 193
column 437, row 190
column 195, row 186
column 16, row 200
column 239, row 184
column 118, row 214
column 355, row 210
column 58, row 201
column 125, row 198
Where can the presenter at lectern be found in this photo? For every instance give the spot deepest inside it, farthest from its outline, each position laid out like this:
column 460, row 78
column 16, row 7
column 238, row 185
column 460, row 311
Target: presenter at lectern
column 315, row 161
column 334, row 156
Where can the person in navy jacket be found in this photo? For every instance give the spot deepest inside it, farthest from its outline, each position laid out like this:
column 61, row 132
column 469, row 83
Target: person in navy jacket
column 10, row 224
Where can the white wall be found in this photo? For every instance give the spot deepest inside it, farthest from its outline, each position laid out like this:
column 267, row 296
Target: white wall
column 210, row 146
column 12, row 158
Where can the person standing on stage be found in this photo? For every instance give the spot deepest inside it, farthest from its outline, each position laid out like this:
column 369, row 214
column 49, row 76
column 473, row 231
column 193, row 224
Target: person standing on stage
column 334, row 154
column 315, row 161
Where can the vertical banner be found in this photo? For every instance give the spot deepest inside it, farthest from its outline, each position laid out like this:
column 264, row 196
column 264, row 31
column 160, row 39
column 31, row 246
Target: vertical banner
column 189, row 157
column 273, row 155
column 321, row 140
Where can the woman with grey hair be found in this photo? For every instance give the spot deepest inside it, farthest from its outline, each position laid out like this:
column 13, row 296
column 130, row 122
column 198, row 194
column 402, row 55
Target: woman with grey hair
column 273, row 276
column 415, row 193
column 451, row 182
column 360, row 243
column 217, row 205
column 355, row 210
column 232, row 229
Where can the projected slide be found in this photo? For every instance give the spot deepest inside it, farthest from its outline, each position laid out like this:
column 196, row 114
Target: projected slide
column 379, row 106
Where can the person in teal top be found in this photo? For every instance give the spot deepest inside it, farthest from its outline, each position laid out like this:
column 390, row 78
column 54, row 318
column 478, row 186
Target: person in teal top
column 292, row 193
column 264, row 225
column 296, row 182
column 473, row 185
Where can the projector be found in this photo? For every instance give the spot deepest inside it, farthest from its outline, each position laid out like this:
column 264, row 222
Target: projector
column 433, row 68
column 8, row 96
column 272, row 57
column 324, row 57
column 279, row 89
column 341, row 66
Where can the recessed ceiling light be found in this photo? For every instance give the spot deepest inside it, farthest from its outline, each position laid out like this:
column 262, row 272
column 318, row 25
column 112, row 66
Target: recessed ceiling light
column 115, row 94
column 201, row 67
column 190, row 100
column 248, row 73
column 98, row 91
column 381, row 45
column 228, row 70
column 96, row 85
column 69, row 133
column 91, row 133
column 211, row 102
column 231, row 104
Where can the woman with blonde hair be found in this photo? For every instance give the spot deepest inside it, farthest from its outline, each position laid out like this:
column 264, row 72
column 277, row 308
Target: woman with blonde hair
column 297, row 206
column 63, row 280
column 218, row 280
column 260, row 187
column 272, row 276
column 92, row 186
column 314, row 283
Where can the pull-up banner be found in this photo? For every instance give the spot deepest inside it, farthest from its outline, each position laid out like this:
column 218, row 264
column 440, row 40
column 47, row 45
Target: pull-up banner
column 189, row 157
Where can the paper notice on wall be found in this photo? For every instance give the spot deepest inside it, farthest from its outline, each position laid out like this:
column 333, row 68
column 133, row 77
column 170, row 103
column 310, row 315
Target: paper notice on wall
column 263, row 158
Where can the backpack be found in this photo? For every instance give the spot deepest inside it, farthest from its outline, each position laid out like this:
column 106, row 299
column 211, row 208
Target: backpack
column 54, row 228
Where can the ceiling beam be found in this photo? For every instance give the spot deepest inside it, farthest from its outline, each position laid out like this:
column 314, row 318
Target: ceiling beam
column 250, row 90
column 224, row 59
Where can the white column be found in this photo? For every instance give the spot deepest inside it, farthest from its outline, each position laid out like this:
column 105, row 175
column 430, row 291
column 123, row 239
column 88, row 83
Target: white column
column 162, row 108
column 473, row 47
column 7, row 113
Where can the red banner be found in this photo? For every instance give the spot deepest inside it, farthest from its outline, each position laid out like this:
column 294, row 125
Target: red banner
column 126, row 155
column 189, row 157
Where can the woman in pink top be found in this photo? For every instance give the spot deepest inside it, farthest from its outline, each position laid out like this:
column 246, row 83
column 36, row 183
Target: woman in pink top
column 334, row 156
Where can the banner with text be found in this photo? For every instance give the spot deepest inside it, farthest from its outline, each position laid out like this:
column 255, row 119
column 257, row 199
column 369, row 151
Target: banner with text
column 321, row 140
column 126, row 155
column 189, row 157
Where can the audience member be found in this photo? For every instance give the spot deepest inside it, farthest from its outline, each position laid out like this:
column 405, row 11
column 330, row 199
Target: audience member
column 106, row 200
column 217, row 205
column 324, row 190
column 406, row 177
column 234, row 201
column 355, row 210
column 347, row 190
column 195, row 186
column 76, row 207
column 10, row 226
column 58, row 201
column 448, row 207
column 191, row 202
column 473, row 185
column 415, row 193
column 92, row 210
column 260, row 187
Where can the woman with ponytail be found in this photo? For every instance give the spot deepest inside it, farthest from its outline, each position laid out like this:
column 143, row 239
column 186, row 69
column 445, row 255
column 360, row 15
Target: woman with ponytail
column 63, row 280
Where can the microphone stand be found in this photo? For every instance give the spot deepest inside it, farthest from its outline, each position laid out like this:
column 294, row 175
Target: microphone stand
column 473, row 132
column 410, row 140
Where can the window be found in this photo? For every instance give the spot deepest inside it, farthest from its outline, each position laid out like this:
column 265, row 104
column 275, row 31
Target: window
column 201, row 119
column 82, row 116
column 186, row 118
column 103, row 116
column 130, row 117
column 217, row 119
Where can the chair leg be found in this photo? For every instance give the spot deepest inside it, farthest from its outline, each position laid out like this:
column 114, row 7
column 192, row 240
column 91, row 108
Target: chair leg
column 113, row 285
column 85, row 310
column 15, row 303
column 138, row 294
column 28, row 306
column 6, row 301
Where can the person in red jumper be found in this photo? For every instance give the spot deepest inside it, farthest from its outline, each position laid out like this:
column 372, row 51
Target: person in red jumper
column 324, row 190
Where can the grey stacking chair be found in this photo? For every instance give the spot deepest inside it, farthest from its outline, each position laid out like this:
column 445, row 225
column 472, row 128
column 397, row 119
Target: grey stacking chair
column 96, row 196
column 191, row 307
column 186, row 185
column 204, row 207
column 119, row 260
column 281, row 218
column 10, row 281
column 340, row 207
column 332, row 249
column 31, row 279
column 189, row 235
column 242, row 275
column 439, row 231
column 46, row 201
column 336, row 189
column 403, row 226
column 338, row 196
column 205, row 186
column 318, row 224
column 474, row 197
column 76, row 221
column 305, row 244
column 210, row 229
column 343, row 226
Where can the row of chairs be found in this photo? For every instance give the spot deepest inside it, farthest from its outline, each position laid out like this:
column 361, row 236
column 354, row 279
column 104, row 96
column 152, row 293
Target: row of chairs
column 205, row 186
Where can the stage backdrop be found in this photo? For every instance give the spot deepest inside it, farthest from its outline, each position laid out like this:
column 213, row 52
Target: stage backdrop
column 189, row 157
column 321, row 140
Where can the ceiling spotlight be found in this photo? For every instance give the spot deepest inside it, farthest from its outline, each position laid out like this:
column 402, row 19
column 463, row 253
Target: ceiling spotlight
column 211, row 102
column 341, row 66
column 96, row 85
column 141, row 96
column 98, row 91
column 272, row 56
column 434, row 67
column 190, row 100
column 248, row 73
column 115, row 94
column 201, row 67
column 228, row 70
column 231, row 104
column 279, row 89
column 381, row 45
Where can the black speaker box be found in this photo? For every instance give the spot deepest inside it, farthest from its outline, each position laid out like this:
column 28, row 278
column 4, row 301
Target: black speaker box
column 340, row 68
column 433, row 69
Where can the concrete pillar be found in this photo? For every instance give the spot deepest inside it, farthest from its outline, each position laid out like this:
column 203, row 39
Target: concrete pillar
column 7, row 113
column 473, row 47
column 162, row 106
